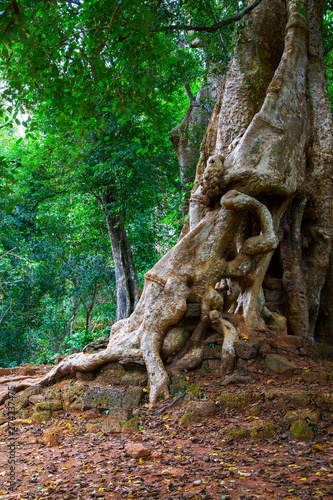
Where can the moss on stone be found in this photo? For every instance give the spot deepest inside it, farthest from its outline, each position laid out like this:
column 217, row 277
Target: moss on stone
column 93, row 428
column 312, row 416
column 321, row 351
column 315, row 377
column 236, row 433
column 131, row 426
column 71, row 394
column 261, row 429
column 42, row 416
column 193, row 391
column 49, row 405
column 324, row 402
column 301, row 430
column 283, row 398
column 202, row 408
column 239, row 401
column 187, row 419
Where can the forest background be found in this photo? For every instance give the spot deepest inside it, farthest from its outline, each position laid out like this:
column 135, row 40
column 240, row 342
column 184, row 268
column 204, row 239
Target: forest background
column 90, row 92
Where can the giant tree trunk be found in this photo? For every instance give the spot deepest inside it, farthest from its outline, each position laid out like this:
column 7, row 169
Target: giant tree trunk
column 187, row 136
column 260, row 210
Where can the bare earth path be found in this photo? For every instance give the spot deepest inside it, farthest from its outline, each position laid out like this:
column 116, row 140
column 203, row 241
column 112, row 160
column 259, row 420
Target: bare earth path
column 219, row 456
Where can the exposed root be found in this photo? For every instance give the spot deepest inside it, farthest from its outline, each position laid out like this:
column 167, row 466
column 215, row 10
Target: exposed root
column 188, row 272
column 85, row 362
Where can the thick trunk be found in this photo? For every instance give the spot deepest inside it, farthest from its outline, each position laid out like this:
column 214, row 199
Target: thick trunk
column 260, row 210
column 186, row 138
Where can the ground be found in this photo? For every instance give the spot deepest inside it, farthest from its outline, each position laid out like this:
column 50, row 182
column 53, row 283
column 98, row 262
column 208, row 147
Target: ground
column 268, row 436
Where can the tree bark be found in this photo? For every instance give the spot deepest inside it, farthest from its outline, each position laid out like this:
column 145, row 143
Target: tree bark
column 186, row 137
column 127, row 283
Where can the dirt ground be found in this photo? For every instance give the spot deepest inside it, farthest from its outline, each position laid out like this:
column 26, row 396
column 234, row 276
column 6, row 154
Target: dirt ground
column 243, row 449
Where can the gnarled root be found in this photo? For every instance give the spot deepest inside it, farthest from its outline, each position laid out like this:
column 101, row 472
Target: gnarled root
column 228, row 350
column 191, row 355
column 86, row 362
column 188, row 272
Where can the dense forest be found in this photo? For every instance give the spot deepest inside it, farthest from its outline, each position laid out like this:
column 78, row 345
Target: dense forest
column 85, row 140
column 104, row 110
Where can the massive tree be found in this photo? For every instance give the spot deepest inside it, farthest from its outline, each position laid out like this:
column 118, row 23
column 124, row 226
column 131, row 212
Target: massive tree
column 260, row 211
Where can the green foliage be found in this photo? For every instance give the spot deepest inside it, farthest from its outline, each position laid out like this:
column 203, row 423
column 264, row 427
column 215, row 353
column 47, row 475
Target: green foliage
column 328, row 46
column 58, row 277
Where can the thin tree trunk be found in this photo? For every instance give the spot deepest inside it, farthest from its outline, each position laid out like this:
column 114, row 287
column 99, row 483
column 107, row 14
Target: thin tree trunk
column 127, row 283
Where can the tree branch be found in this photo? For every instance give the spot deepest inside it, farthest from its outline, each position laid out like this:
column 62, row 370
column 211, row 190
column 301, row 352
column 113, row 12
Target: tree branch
column 102, row 44
column 209, row 29
column 48, row 197
column 190, row 94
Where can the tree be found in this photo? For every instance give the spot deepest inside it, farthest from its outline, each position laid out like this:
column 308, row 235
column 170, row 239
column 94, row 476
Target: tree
column 260, row 209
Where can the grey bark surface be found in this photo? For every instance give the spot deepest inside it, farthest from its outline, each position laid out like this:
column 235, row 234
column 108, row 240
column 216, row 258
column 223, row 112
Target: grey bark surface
column 127, row 283
column 186, row 137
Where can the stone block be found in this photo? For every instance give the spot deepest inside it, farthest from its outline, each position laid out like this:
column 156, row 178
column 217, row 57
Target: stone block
column 110, row 374
column 77, row 405
column 131, row 426
column 279, row 364
column 237, row 401
column 202, row 408
column 284, row 399
column 212, row 352
column 112, row 397
column 85, row 376
column 324, row 402
column 290, row 341
column 311, row 377
column 41, row 416
column 36, row 398
column 132, row 397
column 312, row 416
column 245, row 350
column 115, row 420
column 49, row 405
column 233, row 432
column 134, row 378
column 71, row 394
column 242, row 365
column 261, row 429
column 103, row 397
column 301, row 431
column 214, row 365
